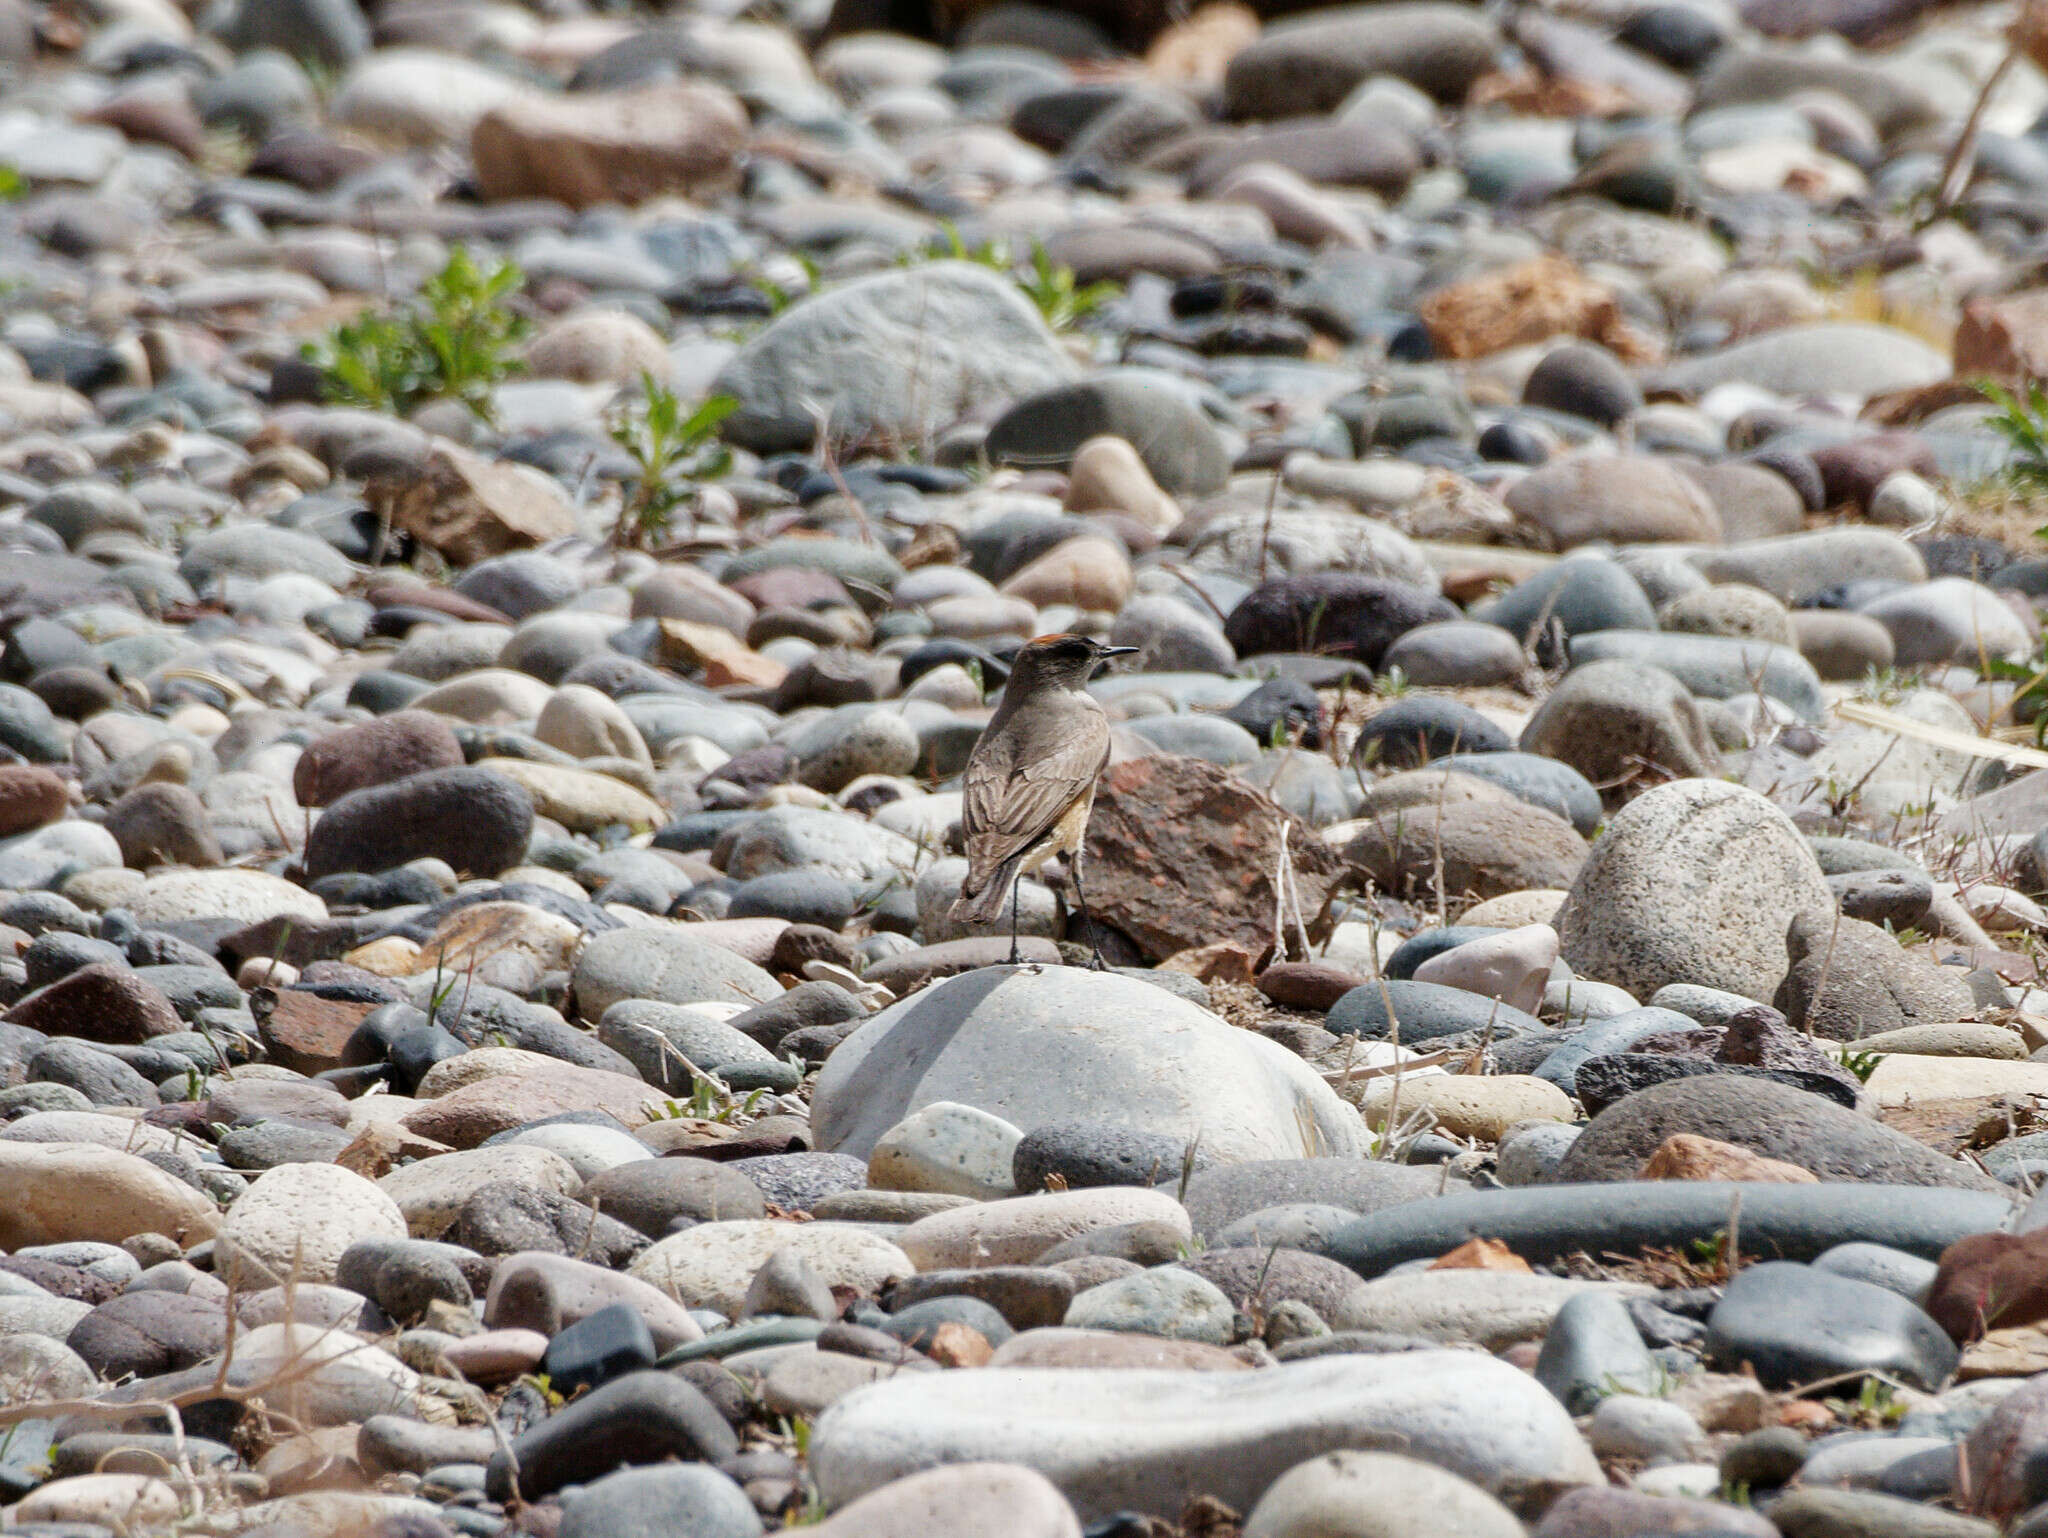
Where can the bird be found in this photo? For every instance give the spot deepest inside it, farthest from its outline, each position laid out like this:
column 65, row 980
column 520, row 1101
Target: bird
column 1030, row 781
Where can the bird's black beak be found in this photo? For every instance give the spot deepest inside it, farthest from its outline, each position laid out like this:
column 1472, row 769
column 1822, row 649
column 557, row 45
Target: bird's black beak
column 1116, row 651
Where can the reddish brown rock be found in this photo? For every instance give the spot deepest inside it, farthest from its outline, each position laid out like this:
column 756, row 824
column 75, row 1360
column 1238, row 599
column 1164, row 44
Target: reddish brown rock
column 30, row 797
column 611, row 147
column 1312, row 985
column 2005, row 336
column 1851, row 472
column 1685, row 1156
column 1989, row 1282
column 1183, row 853
column 102, row 1002
column 303, row 1031
column 374, row 753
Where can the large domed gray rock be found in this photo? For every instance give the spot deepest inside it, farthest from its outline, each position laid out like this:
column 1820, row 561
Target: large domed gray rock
column 1692, row 882
column 900, row 355
column 1609, row 719
column 1772, row 1119
column 668, row 964
column 1063, row 1044
column 475, row 819
column 1585, row 380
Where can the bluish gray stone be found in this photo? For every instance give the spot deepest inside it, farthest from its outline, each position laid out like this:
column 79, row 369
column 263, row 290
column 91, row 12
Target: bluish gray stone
column 1592, row 1350
column 668, row 1500
column 1539, row 781
column 1616, row 1033
column 1712, row 667
column 1584, row 594
column 1795, row 1324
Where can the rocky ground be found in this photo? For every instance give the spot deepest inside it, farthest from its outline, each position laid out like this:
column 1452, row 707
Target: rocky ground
column 512, row 519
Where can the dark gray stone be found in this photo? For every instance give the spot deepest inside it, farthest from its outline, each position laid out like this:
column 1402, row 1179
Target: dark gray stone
column 1179, row 444
column 1424, row 1011
column 1772, row 1119
column 1592, row 1350
column 1092, row 1153
column 1790, row 1222
column 1423, row 728
column 643, row 1417
column 1218, row 1197
column 1794, row 1324
column 475, row 819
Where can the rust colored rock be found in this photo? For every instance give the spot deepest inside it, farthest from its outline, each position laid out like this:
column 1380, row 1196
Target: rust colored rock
column 1182, row 853
column 102, row 1002
column 1480, row 1255
column 610, row 147
column 1525, row 304
column 303, row 1031
column 382, row 1146
column 1686, row 1156
column 374, row 753
column 1312, row 985
column 2005, row 336
column 467, row 507
column 30, row 797
column 1486, row 850
column 1990, row 1282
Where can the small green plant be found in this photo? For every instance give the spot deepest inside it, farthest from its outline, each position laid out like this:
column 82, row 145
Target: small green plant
column 1063, row 302
column 13, row 184
column 669, row 451
column 452, row 342
column 1733, row 1492
column 711, row 1099
column 1876, row 1407
column 1862, row 1064
column 1393, row 684
column 1711, row 1252
column 1885, row 686
column 2022, row 421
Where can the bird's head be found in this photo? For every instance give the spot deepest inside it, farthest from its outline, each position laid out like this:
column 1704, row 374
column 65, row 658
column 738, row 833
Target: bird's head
column 1064, row 661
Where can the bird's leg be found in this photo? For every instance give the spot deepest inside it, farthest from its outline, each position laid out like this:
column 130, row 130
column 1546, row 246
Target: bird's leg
column 1016, row 882
column 1095, row 961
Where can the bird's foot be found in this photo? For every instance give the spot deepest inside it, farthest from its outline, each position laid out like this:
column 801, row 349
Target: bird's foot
column 1096, row 963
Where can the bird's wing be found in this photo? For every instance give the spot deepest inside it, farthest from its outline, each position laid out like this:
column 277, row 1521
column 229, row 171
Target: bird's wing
column 1009, row 807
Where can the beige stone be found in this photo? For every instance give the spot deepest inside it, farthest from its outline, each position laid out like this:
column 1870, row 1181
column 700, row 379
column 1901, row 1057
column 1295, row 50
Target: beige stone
column 59, row 1192
column 468, row 507
column 432, row 1191
column 1088, row 571
column 295, row 1220
column 579, row 799
column 710, row 1266
column 1016, row 1232
column 1464, row 1105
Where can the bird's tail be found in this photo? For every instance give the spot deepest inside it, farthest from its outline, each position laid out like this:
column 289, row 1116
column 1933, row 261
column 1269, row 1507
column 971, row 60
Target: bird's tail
column 981, row 902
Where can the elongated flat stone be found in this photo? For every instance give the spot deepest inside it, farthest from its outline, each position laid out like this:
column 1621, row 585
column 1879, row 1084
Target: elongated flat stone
column 1542, row 1223
column 1141, row 1440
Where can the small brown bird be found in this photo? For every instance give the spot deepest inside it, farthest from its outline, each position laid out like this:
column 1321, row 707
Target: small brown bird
column 1030, row 780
